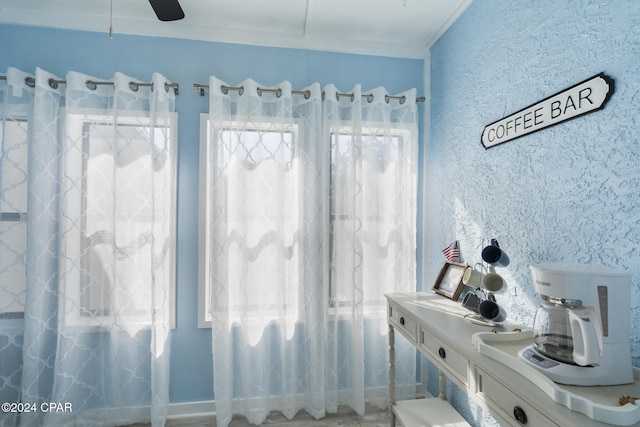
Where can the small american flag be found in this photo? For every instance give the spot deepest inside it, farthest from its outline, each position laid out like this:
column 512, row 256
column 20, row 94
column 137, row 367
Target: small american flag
column 452, row 252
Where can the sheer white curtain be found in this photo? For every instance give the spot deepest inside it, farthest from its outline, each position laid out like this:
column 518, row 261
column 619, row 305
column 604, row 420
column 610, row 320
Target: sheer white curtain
column 99, row 251
column 15, row 113
column 374, row 169
column 265, row 197
column 311, row 219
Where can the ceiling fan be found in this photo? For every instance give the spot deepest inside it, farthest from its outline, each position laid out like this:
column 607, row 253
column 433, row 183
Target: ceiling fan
column 167, row 10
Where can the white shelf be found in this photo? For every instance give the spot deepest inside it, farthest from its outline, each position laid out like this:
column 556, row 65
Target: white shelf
column 429, row 412
column 598, row 402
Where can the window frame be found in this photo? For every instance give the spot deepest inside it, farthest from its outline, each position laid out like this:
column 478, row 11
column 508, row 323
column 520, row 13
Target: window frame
column 75, row 320
column 16, row 217
column 367, row 129
column 205, row 316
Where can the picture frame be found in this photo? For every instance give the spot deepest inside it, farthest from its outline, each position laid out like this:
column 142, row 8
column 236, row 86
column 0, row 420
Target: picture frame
column 449, row 280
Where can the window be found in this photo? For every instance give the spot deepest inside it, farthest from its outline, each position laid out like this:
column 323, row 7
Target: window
column 249, row 159
column 374, row 214
column 13, row 210
column 364, row 218
column 118, row 218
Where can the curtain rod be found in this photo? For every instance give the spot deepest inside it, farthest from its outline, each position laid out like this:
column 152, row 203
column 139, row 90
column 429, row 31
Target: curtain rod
column 92, row 84
column 306, row 93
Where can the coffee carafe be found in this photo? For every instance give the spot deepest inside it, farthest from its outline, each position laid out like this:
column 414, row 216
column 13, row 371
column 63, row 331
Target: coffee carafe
column 581, row 329
column 567, row 333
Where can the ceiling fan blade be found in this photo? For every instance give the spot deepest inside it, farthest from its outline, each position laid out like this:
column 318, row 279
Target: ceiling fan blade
column 167, row 10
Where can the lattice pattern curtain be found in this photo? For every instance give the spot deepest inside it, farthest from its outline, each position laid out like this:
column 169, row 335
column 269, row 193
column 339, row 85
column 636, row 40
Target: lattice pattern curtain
column 310, row 219
column 15, row 116
column 266, row 235
column 99, row 251
column 373, row 185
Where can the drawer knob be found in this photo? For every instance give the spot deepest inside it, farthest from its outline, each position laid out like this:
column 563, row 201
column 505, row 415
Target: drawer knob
column 520, row 415
column 402, row 321
column 442, row 353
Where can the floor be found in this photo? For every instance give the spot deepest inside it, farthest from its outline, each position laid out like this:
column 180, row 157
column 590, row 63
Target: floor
column 374, row 417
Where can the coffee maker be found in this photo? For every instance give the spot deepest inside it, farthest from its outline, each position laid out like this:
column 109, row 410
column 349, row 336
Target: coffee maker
column 581, row 329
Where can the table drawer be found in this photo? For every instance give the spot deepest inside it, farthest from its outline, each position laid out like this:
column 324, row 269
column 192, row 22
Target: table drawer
column 506, row 404
column 404, row 323
column 450, row 359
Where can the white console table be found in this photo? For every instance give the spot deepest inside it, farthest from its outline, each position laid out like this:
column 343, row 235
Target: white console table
column 437, row 327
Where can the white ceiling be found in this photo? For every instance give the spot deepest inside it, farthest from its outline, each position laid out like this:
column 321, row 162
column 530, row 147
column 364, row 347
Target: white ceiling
column 396, row 28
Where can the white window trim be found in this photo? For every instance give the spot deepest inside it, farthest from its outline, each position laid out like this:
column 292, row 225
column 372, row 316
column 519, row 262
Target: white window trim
column 73, row 320
column 204, row 229
column 372, row 308
column 204, row 224
column 12, row 216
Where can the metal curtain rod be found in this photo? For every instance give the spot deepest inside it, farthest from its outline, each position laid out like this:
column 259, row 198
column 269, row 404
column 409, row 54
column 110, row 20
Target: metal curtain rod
column 92, row 84
column 306, row 93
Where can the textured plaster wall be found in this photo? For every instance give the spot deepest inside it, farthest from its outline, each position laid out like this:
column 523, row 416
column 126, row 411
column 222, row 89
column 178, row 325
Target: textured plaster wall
column 566, row 193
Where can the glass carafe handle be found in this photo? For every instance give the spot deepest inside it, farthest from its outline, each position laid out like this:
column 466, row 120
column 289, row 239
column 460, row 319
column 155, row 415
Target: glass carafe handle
column 586, row 349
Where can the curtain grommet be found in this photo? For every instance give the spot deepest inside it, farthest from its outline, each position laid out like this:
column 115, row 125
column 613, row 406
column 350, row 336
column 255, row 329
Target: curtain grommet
column 91, row 85
column 370, row 98
column 225, row 89
column 133, row 86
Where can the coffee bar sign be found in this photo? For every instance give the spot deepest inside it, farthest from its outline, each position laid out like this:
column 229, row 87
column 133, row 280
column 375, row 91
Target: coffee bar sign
column 585, row 97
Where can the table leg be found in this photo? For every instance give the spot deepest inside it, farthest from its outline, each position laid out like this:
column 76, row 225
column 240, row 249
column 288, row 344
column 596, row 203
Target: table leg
column 392, row 374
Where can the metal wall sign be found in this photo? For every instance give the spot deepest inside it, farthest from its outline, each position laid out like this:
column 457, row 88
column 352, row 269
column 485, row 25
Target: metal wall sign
column 585, row 97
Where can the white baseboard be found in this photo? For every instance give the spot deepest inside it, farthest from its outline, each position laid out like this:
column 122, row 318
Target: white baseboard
column 207, row 408
column 192, row 409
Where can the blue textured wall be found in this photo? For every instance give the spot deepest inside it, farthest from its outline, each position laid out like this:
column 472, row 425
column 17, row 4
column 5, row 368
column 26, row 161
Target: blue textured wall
column 187, row 62
column 570, row 192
